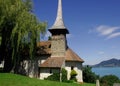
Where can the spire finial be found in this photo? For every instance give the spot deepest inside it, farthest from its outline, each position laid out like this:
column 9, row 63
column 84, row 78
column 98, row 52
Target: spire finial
column 59, row 20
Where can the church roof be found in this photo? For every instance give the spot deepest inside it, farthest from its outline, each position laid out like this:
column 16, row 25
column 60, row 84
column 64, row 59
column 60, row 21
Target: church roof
column 72, row 56
column 46, row 49
column 43, row 48
column 54, row 62
column 59, row 24
column 59, row 20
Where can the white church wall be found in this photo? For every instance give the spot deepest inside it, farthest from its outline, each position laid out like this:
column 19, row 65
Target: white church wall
column 45, row 72
column 68, row 72
column 77, row 67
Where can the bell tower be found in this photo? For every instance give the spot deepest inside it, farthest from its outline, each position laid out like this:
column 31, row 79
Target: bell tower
column 58, row 31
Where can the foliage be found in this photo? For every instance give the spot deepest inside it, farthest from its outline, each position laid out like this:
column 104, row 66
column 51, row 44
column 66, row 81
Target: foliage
column 64, row 75
column 88, row 75
column 73, row 75
column 54, row 77
column 18, row 80
column 18, row 26
column 109, row 80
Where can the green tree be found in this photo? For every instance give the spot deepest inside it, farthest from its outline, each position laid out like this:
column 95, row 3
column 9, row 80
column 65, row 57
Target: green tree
column 88, row 75
column 109, row 80
column 18, row 27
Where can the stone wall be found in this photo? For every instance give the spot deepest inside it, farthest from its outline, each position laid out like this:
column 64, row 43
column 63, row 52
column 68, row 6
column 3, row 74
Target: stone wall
column 58, row 46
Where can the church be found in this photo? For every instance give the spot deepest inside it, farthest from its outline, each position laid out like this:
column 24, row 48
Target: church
column 55, row 54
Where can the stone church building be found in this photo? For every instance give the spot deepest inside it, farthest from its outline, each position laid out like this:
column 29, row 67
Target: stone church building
column 55, row 54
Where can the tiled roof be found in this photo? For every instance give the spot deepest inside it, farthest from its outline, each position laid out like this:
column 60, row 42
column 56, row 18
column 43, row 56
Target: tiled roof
column 72, row 56
column 54, row 62
column 43, row 48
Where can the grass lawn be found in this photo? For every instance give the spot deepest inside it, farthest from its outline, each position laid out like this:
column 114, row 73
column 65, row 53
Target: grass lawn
column 7, row 79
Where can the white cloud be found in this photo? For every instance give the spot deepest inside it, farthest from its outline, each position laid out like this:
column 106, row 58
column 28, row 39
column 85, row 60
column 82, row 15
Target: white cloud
column 113, row 35
column 106, row 30
column 47, row 34
column 110, row 32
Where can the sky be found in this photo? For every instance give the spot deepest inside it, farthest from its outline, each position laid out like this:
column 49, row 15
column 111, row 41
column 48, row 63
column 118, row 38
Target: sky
column 94, row 26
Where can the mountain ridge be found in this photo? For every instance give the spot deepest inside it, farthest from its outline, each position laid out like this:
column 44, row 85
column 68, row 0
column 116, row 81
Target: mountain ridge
column 108, row 63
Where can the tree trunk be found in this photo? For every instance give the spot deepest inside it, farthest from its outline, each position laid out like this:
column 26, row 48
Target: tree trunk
column 6, row 51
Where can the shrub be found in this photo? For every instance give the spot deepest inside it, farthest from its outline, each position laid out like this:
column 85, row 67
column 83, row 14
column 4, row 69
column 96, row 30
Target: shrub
column 88, row 75
column 54, row 77
column 109, row 80
column 64, row 75
column 73, row 75
column 70, row 81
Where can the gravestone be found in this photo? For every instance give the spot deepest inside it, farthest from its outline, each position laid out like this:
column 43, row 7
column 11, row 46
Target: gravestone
column 97, row 83
column 116, row 84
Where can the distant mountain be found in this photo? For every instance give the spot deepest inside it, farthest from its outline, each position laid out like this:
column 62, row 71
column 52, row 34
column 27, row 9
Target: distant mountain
column 109, row 63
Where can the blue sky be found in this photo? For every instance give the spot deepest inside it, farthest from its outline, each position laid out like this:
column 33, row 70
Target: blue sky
column 94, row 26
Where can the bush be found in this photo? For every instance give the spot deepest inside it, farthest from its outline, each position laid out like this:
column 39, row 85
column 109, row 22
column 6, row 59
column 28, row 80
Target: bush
column 54, row 77
column 73, row 75
column 64, row 75
column 70, row 81
column 109, row 80
column 88, row 75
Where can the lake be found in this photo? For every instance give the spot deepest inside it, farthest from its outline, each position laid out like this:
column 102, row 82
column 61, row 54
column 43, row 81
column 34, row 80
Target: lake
column 107, row 71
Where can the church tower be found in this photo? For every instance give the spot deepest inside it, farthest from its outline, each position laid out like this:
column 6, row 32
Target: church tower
column 58, row 31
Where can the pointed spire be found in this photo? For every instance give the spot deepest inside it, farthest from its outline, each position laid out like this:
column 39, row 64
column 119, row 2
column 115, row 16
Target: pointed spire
column 59, row 24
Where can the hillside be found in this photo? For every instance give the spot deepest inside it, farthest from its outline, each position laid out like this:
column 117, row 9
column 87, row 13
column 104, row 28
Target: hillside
column 109, row 63
column 7, row 79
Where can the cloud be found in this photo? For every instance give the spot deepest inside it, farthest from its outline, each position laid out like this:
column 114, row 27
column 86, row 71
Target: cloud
column 109, row 32
column 113, row 35
column 47, row 34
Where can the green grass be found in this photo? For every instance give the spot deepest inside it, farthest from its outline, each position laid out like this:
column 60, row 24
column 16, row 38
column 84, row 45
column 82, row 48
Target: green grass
column 7, row 79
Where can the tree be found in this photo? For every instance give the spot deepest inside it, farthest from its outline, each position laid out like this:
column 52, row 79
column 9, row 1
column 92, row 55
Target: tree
column 88, row 75
column 109, row 80
column 18, row 27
